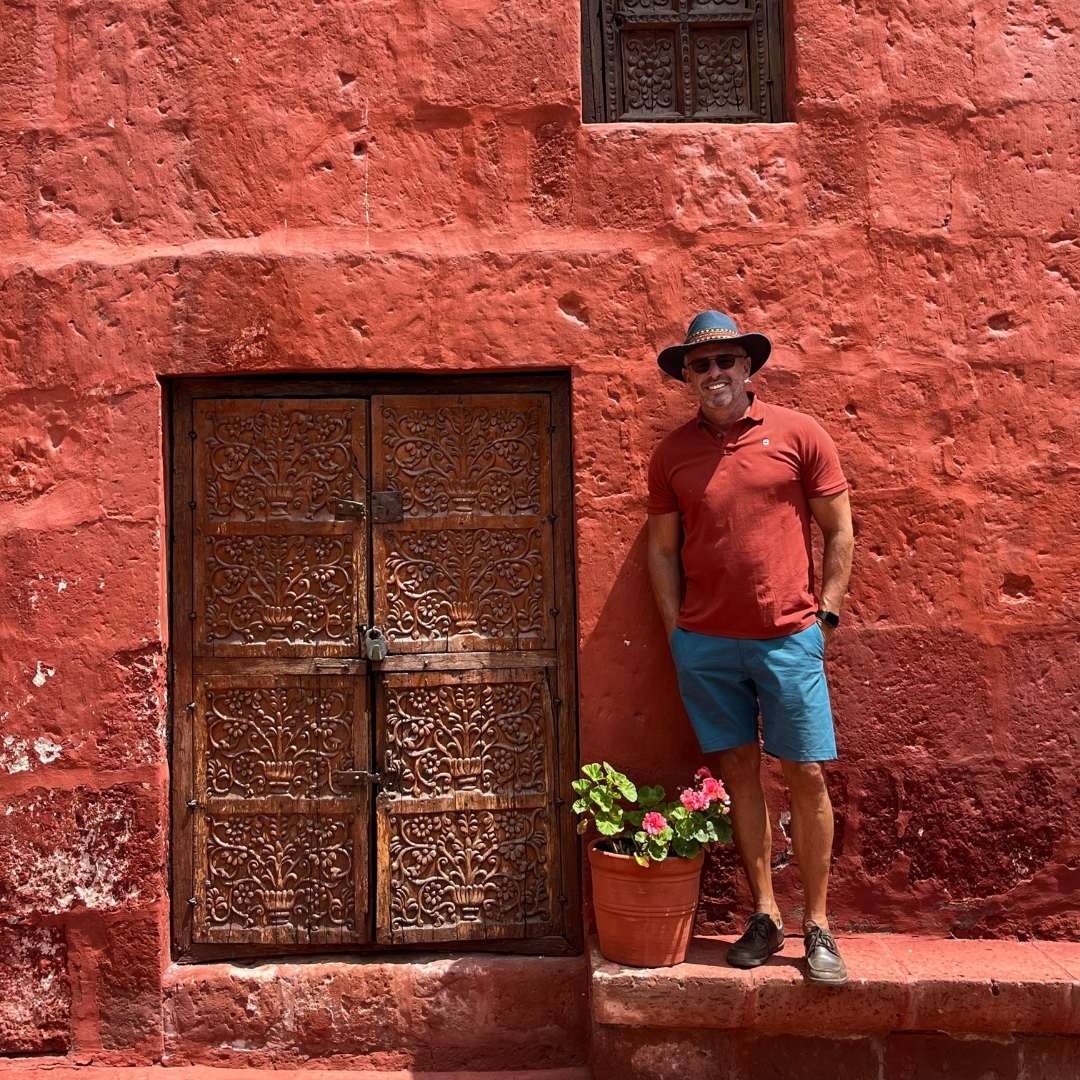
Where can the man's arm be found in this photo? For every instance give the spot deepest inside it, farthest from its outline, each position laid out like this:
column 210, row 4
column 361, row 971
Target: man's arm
column 833, row 516
column 665, row 566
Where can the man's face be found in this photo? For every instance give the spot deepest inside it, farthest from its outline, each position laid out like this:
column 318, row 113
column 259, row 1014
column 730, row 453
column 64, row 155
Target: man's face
column 723, row 379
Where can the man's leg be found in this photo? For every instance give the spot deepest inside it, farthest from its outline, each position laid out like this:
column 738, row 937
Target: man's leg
column 740, row 769
column 811, row 835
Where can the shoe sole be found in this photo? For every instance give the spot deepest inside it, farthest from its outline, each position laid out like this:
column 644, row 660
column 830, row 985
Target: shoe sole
column 825, row 980
column 748, row 964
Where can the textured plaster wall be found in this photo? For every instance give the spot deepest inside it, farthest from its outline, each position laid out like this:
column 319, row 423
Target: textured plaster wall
column 357, row 185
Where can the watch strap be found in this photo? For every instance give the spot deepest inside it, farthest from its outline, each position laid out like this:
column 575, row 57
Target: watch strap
column 829, row 617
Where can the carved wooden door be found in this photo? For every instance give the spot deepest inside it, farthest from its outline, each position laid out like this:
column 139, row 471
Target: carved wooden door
column 468, row 844
column 323, row 797
column 278, row 725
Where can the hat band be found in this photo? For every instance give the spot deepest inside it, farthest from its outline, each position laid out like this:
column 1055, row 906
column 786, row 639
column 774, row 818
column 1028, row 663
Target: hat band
column 711, row 334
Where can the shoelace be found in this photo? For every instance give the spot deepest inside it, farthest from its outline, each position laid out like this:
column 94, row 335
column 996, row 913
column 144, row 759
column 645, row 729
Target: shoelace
column 760, row 925
column 817, row 936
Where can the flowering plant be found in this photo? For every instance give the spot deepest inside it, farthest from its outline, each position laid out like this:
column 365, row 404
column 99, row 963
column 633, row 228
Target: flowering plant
column 643, row 823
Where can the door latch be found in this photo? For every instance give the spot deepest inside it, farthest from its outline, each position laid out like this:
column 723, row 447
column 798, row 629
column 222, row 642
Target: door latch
column 349, row 508
column 375, row 644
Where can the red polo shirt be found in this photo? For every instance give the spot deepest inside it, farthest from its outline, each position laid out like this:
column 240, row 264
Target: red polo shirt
column 742, row 502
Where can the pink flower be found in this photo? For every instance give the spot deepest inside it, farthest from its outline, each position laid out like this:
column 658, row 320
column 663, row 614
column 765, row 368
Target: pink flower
column 703, row 772
column 654, row 822
column 694, row 800
column 713, row 790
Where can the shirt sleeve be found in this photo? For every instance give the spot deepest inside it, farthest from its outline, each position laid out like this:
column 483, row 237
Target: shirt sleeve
column 821, row 471
column 661, row 496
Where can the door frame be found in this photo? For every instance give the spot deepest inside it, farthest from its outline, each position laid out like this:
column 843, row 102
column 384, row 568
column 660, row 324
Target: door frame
column 180, row 393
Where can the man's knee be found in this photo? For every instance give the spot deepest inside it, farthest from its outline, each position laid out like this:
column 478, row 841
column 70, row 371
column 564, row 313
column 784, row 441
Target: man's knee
column 805, row 780
column 741, row 766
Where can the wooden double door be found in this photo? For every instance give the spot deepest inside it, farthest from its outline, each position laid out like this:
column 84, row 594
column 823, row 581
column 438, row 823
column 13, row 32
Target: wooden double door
column 326, row 795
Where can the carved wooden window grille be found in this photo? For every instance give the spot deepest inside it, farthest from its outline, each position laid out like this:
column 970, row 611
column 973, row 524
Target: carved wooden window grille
column 682, row 60
column 324, row 800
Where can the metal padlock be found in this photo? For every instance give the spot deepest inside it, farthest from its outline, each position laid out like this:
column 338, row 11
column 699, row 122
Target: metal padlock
column 375, row 644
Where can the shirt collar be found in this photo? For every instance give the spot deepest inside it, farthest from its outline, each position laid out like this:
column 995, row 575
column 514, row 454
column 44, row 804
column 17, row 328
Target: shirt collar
column 755, row 414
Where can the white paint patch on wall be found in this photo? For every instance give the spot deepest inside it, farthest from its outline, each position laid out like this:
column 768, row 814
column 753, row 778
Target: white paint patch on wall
column 42, row 674
column 13, row 756
column 46, row 750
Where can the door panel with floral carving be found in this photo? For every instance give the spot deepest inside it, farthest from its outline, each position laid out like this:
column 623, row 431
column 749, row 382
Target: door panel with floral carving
column 278, row 713
column 280, row 844
column 467, row 843
column 467, row 567
column 467, row 846
column 277, row 573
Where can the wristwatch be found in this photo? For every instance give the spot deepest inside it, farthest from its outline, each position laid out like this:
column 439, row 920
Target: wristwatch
column 830, row 618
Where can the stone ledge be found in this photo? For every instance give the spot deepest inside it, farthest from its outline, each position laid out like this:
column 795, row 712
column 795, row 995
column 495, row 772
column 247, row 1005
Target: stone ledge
column 12, row 1070
column 897, row 983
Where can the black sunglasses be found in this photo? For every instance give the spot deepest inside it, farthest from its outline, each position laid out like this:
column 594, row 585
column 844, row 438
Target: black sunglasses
column 701, row 364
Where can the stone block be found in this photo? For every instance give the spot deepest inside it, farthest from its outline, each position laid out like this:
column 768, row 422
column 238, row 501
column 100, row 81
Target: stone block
column 912, row 174
column 1049, row 1058
column 1018, row 174
column 665, row 1054
column 879, row 682
column 469, row 1012
column 83, row 848
column 110, row 570
column 834, row 55
column 984, row 986
column 129, row 986
column 35, row 1007
column 506, row 56
column 926, row 55
column 943, row 1057
column 19, row 75
column 1042, row 712
column 780, row 1057
column 966, row 831
column 1026, row 53
column 488, row 1012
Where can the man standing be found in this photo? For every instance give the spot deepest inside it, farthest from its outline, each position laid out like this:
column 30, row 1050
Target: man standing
column 731, row 496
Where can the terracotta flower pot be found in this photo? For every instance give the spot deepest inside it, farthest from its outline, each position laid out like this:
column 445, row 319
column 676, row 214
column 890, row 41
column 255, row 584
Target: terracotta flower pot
column 644, row 914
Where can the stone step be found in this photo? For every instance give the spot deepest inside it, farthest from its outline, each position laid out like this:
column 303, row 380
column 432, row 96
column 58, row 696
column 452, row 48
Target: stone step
column 54, row 1070
column 897, row 983
column 914, row 1009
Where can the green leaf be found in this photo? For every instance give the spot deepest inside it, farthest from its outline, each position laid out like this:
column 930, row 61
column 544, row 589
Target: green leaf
column 602, row 798
column 641, row 838
column 625, row 787
column 686, row 848
column 579, row 806
column 678, row 813
column 610, row 822
column 634, row 817
column 581, row 786
column 657, row 849
column 593, row 772
column 650, row 796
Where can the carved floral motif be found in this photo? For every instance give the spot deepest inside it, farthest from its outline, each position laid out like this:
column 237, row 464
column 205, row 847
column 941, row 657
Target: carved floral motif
column 277, row 464
column 284, row 588
column 275, row 741
column 483, row 737
column 721, row 74
column 265, row 870
column 488, row 582
column 650, row 73
column 472, row 866
column 463, row 459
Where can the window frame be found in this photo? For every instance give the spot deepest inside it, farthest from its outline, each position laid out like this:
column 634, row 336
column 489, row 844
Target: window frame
column 599, row 107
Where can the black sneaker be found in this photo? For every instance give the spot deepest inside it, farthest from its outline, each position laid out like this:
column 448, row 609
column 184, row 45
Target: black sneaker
column 761, row 938
column 823, row 960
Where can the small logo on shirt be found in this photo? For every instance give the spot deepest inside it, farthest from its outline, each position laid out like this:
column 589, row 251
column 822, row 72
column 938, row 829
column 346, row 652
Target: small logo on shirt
column 764, row 442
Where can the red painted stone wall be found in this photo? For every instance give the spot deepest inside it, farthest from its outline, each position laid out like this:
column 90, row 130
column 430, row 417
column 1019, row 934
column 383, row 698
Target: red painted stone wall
column 343, row 186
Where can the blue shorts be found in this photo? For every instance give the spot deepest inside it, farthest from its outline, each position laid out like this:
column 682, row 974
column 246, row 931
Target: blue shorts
column 725, row 681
